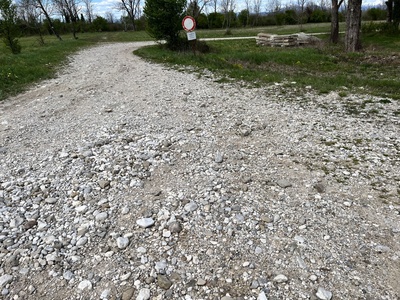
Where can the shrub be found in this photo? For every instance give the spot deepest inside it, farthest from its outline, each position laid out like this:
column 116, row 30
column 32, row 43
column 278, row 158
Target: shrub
column 164, row 20
column 9, row 29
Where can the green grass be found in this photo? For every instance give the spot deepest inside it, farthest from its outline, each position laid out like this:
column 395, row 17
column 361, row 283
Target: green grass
column 37, row 62
column 324, row 68
column 245, row 32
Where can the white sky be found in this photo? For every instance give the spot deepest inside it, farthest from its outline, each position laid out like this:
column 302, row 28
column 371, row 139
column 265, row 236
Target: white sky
column 101, row 7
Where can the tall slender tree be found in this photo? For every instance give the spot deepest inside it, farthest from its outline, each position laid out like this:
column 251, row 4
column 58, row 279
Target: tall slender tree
column 228, row 6
column 334, row 37
column 44, row 8
column 88, row 5
column 257, row 10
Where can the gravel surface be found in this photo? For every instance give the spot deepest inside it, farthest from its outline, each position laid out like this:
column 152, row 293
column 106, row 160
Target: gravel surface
column 122, row 179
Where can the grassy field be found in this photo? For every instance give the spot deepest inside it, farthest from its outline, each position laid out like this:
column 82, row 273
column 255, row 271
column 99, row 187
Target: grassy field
column 325, row 68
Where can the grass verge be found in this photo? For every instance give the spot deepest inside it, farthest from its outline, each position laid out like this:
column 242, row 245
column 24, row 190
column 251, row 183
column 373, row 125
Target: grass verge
column 325, row 67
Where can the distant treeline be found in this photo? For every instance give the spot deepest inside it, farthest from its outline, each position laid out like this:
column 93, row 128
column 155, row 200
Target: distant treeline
column 215, row 20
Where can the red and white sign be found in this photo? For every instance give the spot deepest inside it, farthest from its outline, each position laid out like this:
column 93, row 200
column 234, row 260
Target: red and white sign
column 188, row 23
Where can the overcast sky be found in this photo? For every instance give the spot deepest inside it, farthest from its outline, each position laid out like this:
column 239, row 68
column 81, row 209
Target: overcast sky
column 101, row 7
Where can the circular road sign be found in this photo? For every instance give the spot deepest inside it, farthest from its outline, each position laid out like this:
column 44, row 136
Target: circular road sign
column 188, row 23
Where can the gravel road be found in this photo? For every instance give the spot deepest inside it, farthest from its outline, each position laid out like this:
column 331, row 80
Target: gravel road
column 122, row 179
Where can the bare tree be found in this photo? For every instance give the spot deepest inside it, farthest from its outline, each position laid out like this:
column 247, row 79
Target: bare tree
column 248, row 8
column 30, row 13
column 88, row 10
column 257, row 10
column 228, row 6
column 195, row 7
column 214, row 4
column 44, row 8
column 110, row 17
column 69, row 9
column 352, row 40
column 132, row 8
column 274, row 5
column 301, row 4
column 334, row 38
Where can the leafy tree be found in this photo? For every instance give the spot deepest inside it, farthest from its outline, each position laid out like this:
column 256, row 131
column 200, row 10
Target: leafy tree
column 100, row 24
column 374, row 14
column 164, row 20
column 243, row 17
column 8, row 27
column 202, row 22
column 215, row 20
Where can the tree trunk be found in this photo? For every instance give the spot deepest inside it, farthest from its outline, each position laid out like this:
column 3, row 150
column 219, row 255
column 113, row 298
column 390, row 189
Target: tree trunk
column 334, row 38
column 335, row 22
column 389, row 11
column 49, row 20
column 396, row 14
column 353, row 26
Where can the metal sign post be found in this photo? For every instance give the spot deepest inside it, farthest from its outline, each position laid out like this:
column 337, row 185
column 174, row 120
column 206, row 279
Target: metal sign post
column 189, row 24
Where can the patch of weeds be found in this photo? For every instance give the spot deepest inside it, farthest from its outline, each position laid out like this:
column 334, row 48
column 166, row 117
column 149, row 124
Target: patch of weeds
column 385, row 101
column 222, row 80
column 325, row 170
column 358, row 141
column 342, row 94
column 355, row 161
column 352, row 109
column 365, row 102
column 329, row 143
column 373, row 111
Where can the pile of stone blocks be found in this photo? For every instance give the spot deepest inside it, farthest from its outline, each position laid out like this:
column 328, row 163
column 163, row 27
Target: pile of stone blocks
column 291, row 40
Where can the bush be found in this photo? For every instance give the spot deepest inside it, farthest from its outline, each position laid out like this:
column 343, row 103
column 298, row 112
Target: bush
column 9, row 29
column 373, row 27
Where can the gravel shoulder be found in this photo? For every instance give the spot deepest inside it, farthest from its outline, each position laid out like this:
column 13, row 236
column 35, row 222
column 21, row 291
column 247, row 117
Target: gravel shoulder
column 122, row 179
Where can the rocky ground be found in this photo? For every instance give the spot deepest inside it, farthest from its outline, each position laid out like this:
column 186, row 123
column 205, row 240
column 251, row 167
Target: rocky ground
column 122, row 179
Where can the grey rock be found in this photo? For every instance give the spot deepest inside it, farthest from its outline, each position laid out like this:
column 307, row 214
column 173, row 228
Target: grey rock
column 191, row 206
column 163, row 282
column 50, row 200
column 175, row 227
column 101, row 216
column 201, row 282
column 85, row 285
column 219, row 157
column 122, row 242
column 5, row 279
column 144, row 294
column 323, row 294
column 103, row 183
column 262, row 296
column 127, row 294
column 280, row 278
column 283, row 183
column 320, row 188
column 145, row 222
